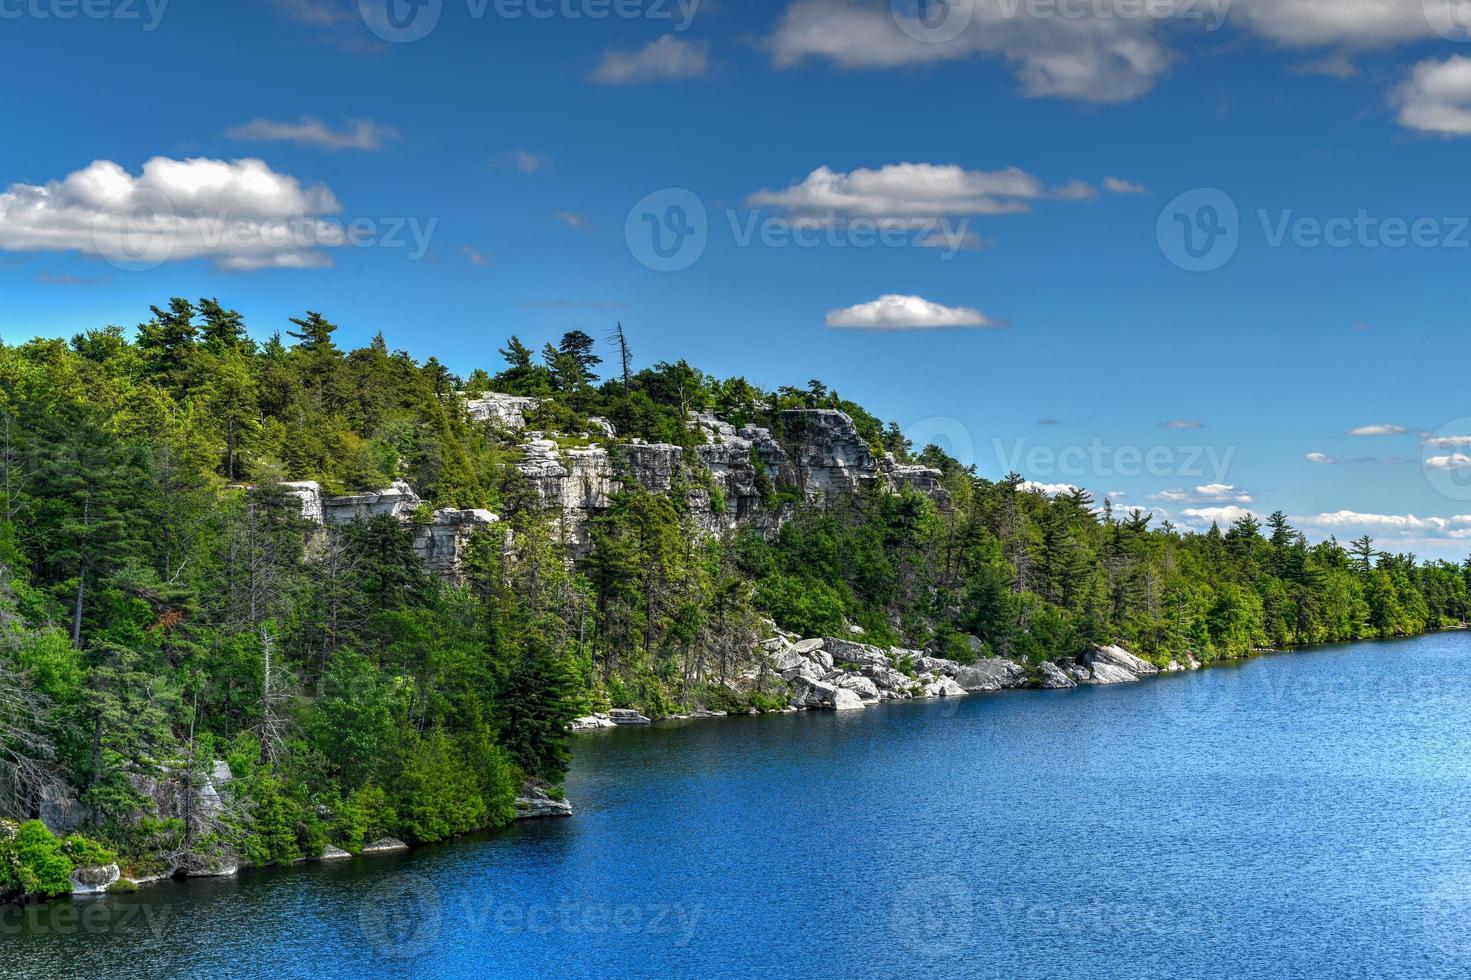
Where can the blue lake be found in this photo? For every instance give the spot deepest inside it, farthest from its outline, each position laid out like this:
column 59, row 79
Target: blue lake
column 1301, row 815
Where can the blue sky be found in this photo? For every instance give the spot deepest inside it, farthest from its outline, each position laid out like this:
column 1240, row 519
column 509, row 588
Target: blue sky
column 495, row 167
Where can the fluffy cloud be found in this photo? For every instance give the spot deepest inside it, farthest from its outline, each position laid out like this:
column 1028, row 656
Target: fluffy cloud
column 1378, row 430
column 1093, row 59
column 1209, row 493
column 1116, row 185
column 239, row 213
column 1206, row 516
column 662, row 60
column 1353, row 520
column 1047, row 489
column 912, row 190
column 1109, row 51
column 907, row 313
column 1437, row 97
column 1449, row 461
column 363, row 134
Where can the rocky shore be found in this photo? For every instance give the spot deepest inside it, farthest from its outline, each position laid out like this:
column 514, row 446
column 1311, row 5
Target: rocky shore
column 830, row 674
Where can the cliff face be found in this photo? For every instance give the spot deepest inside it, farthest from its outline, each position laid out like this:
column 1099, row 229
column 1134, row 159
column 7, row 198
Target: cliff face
column 440, row 544
column 728, row 479
column 821, row 453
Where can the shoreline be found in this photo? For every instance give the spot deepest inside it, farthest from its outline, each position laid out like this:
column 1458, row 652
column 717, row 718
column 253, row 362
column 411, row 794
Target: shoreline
column 536, row 803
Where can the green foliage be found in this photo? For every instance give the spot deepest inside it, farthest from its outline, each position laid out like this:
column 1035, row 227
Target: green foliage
column 33, row 863
column 153, row 610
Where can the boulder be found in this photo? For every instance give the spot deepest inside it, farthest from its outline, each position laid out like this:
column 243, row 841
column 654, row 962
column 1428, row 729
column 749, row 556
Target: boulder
column 503, row 411
column 990, row 675
column 848, row 652
column 788, row 659
column 592, row 723
column 1119, row 657
column 1103, row 673
column 932, row 665
column 862, row 686
column 806, row 669
column 627, row 716
column 820, row 695
column 1050, row 677
column 334, row 854
column 385, row 845
column 222, row 864
column 536, row 802
column 94, row 881
column 943, row 687
column 808, row 647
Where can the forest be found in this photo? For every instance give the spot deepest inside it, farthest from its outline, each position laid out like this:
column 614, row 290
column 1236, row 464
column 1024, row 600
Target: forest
column 163, row 603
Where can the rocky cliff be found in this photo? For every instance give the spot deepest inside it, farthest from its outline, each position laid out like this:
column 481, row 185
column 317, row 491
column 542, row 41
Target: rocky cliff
column 729, row 479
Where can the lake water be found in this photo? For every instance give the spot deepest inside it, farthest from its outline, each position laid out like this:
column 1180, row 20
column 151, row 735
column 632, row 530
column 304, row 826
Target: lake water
column 1302, row 815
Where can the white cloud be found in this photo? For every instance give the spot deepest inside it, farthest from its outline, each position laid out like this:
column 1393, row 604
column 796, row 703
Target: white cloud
column 1093, row 59
column 362, row 134
column 1116, row 185
column 1337, row 66
column 662, row 60
column 1384, row 522
column 1229, row 514
column 907, row 313
column 909, row 191
column 1451, row 461
column 527, row 162
column 1378, row 430
column 1448, row 442
column 239, row 213
column 1437, row 97
column 1209, row 493
column 575, row 220
column 1183, row 424
column 1352, row 23
column 1047, row 489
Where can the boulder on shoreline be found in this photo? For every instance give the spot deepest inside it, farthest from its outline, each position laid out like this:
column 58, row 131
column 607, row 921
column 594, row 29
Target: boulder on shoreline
column 995, row 674
column 1050, row 677
column 95, row 881
column 385, row 845
column 1115, row 665
column 334, row 854
column 627, row 716
column 536, row 801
